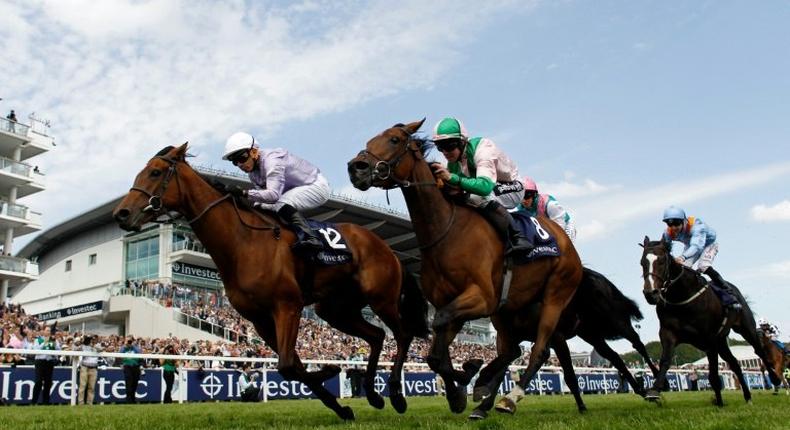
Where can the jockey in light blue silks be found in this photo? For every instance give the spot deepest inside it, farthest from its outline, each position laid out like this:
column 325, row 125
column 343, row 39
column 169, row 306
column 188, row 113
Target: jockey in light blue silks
column 700, row 249
column 283, row 183
column 772, row 331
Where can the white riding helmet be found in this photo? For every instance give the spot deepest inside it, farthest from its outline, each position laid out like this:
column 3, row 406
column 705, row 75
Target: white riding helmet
column 239, row 141
column 762, row 321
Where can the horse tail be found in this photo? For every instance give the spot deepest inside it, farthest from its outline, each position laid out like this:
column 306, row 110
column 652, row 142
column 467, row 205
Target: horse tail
column 603, row 302
column 413, row 306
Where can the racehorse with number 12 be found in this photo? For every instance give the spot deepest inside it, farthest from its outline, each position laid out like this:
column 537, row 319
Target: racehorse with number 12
column 262, row 276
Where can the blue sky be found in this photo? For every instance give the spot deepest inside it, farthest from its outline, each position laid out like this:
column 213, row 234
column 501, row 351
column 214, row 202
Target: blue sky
column 617, row 108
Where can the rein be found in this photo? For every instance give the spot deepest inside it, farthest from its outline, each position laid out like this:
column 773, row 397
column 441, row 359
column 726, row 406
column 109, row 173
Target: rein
column 155, row 200
column 668, row 282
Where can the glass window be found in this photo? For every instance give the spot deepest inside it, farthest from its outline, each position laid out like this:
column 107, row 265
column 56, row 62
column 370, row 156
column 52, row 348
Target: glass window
column 68, row 265
column 142, row 259
column 92, row 259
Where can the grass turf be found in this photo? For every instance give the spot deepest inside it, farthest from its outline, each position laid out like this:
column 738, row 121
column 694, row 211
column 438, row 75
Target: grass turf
column 620, row 411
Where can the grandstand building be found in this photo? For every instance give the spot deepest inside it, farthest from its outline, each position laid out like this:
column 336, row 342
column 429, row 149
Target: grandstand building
column 19, row 143
column 98, row 278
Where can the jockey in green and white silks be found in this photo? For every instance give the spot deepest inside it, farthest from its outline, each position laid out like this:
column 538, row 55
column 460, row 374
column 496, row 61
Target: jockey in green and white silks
column 476, row 166
column 536, row 204
column 700, row 248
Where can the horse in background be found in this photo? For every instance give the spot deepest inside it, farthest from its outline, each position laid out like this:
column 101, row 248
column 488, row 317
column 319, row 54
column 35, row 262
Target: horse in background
column 780, row 358
column 262, row 276
column 690, row 312
column 462, row 267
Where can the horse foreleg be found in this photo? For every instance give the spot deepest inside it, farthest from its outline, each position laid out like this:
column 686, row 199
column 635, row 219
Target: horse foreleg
column 286, row 324
column 608, row 353
column 440, row 362
column 713, row 374
column 564, row 355
column 632, row 336
column 726, row 354
column 493, row 374
column 402, row 339
column 668, row 343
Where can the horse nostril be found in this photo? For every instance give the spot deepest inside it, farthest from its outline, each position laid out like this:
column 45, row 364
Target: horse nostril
column 361, row 165
column 122, row 215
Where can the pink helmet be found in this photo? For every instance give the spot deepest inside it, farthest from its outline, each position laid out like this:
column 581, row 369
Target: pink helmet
column 530, row 185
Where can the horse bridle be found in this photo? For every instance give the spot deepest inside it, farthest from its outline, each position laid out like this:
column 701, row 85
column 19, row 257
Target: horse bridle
column 668, row 281
column 383, row 170
column 155, row 200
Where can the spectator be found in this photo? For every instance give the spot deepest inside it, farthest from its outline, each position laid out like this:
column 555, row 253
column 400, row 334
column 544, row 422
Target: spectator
column 131, row 369
column 247, row 388
column 169, row 371
column 694, row 379
column 88, row 366
column 44, row 365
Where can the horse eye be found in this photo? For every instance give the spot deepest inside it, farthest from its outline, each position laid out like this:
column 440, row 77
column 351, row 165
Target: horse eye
column 156, row 173
column 394, row 140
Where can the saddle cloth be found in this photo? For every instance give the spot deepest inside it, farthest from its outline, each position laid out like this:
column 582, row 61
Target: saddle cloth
column 545, row 243
column 335, row 249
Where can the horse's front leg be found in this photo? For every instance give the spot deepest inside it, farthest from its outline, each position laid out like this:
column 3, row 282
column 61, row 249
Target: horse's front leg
column 286, row 322
column 668, row 342
column 713, row 374
column 493, row 374
column 439, row 361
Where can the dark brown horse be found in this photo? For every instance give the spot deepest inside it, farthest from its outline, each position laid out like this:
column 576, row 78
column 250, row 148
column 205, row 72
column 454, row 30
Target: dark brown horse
column 690, row 312
column 462, row 265
column 780, row 358
column 262, row 276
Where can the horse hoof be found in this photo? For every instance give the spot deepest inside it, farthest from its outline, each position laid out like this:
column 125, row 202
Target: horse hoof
column 375, row 399
column 478, row 414
column 506, row 405
column 399, row 403
column 457, row 399
column 346, row 413
column 480, row 393
column 775, row 393
column 582, row 409
column 652, row 396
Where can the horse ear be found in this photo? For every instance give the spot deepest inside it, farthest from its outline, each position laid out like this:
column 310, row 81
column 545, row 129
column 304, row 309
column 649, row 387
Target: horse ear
column 645, row 242
column 412, row 127
column 181, row 152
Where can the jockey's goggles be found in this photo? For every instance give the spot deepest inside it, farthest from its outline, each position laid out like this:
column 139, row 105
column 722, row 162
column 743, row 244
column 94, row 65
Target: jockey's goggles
column 448, row 145
column 240, row 157
column 674, row 222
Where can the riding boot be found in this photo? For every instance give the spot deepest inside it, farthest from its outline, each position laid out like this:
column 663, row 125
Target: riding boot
column 505, row 225
column 728, row 302
column 307, row 241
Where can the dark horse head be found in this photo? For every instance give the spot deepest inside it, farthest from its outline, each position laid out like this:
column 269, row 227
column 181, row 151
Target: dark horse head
column 657, row 265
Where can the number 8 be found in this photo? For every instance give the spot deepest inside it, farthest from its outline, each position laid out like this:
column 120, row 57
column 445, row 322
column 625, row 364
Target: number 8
column 542, row 233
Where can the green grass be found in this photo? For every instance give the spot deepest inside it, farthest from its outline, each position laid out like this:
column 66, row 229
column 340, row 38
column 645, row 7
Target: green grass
column 678, row 411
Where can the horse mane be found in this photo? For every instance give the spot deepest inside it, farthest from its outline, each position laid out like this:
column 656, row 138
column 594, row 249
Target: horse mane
column 424, row 143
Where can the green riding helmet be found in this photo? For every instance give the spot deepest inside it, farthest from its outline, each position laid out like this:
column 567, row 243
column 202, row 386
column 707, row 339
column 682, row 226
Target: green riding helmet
column 450, row 128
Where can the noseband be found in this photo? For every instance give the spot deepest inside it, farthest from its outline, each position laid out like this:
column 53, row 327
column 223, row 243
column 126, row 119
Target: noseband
column 383, row 169
column 155, row 198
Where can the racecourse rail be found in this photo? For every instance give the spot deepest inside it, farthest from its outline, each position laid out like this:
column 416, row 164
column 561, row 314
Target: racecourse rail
column 192, row 384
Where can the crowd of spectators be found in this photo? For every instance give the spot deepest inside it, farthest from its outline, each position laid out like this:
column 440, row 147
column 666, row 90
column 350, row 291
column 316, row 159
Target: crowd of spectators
column 316, row 341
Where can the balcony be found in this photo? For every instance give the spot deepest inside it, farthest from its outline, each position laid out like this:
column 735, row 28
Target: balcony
column 17, row 269
column 32, row 141
column 26, row 178
column 20, row 218
column 192, row 252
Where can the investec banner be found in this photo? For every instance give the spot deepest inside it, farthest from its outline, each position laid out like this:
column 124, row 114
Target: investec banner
column 70, row 311
column 187, row 269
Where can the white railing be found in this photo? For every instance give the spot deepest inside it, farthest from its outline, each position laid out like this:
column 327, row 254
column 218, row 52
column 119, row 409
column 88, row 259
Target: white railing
column 18, row 265
column 269, row 363
column 19, row 211
column 185, row 245
column 14, row 127
column 16, row 167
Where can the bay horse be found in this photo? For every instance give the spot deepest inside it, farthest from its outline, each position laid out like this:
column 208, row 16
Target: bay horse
column 690, row 312
column 778, row 357
column 462, row 266
column 262, row 276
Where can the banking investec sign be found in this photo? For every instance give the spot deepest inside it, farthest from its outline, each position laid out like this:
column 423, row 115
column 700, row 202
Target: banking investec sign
column 71, row 310
column 187, row 269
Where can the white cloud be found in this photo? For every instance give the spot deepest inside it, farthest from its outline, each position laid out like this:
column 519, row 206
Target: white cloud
column 121, row 79
column 568, row 188
column 618, row 207
column 777, row 212
column 777, row 271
